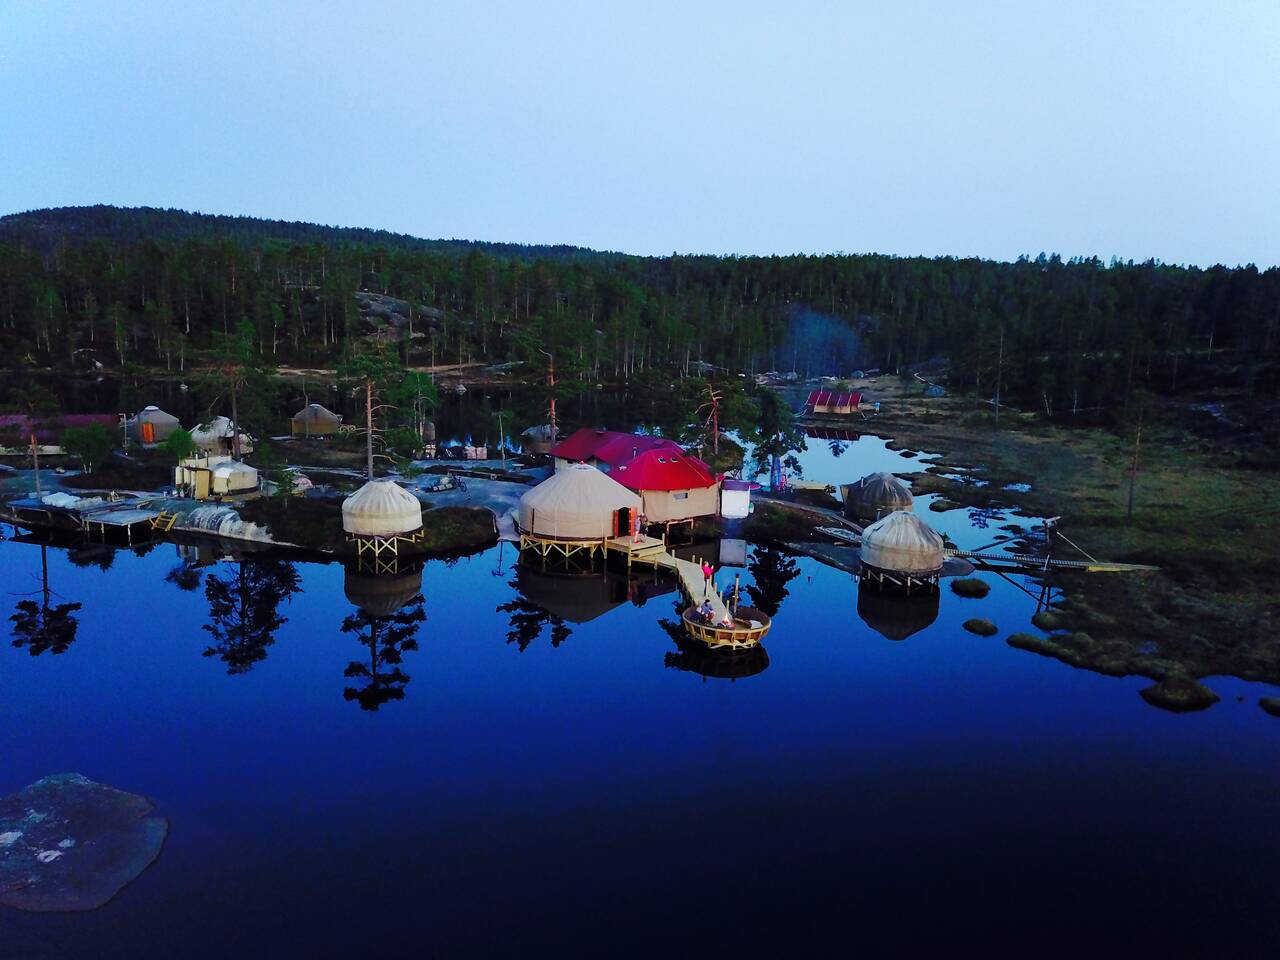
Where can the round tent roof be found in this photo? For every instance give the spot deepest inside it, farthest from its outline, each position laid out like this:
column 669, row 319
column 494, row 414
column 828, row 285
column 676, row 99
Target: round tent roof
column 316, row 413
column 153, row 414
column 578, row 503
column 381, row 508
column 875, row 495
column 381, row 595
column 234, row 468
column 896, row 618
column 216, row 430
column 903, row 543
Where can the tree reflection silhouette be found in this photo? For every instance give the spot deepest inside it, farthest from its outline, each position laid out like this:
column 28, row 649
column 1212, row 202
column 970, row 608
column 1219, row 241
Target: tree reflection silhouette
column 244, row 610
column 41, row 627
column 185, row 576
column 771, row 569
column 528, row 620
column 388, row 637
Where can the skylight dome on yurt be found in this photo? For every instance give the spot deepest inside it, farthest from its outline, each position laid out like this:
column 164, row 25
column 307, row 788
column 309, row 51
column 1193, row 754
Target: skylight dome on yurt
column 578, row 503
column 876, row 495
column 902, row 543
column 381, row 508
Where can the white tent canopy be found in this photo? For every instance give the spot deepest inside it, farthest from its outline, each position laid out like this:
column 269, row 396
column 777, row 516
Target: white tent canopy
column 215, row 436
column 902, row 543
column 578, row 503
column 381, row 508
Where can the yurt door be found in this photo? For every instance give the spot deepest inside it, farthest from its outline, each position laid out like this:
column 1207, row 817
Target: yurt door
column 622, row 522
column 148, row 433
column 202, row 484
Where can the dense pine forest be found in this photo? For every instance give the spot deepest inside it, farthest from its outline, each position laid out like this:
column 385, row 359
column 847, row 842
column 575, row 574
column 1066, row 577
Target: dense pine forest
column 161, row 288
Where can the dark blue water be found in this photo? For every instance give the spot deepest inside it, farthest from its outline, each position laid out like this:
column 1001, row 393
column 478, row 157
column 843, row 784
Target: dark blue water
column 587, row 797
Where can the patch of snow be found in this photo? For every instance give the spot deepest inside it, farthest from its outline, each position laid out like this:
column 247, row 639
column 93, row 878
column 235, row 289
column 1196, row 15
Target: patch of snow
column 9, row 838
column 48, row 856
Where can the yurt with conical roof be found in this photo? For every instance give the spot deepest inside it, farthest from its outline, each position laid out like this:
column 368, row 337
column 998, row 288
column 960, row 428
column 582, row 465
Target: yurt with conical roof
column 315, row 420
column 875, row 496
column 381, row 518
column 577, row 508
column 151, row 426
column 900, row 552
column 218, row 437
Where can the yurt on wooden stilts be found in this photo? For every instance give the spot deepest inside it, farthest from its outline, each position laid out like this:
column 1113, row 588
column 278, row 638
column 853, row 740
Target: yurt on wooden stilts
column 578, row 508
column 901, row 553
column 381, row 519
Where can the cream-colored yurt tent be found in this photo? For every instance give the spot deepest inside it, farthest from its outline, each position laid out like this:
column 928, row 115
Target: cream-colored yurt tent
column 216, row 437
column 151, row 426
column 381, row 508
column 578, row 503
column 314, row 420
column 902, row 543
column 874, row 496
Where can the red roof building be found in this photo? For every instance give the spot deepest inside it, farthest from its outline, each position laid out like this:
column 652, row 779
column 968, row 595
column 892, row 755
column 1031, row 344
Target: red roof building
column 50, row 429
column 673, row 484
column 832, row 401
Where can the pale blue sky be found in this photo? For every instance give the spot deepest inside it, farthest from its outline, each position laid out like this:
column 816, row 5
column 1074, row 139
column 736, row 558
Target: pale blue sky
column 997, row 128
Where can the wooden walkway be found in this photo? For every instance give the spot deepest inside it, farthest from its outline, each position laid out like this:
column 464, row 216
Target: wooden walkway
column 650, row 550
column 1022, row 561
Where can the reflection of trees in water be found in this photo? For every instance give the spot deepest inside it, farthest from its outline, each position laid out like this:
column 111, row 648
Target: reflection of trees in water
column 185, row 576
column 244, row 610
column 837, row 447
column 388, row 638
column 983, row 517
column 528, row 620
column 771, row 569
column 42, row 627
column 92, row 555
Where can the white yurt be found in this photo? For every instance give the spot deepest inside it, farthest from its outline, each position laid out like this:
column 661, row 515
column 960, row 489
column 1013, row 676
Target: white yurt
column 578, row 503
column 232, row 476
column 902, row 550
column 214, row 476
column 876, row 495
column 381, row 508
column 152, row 425
column 216, row 437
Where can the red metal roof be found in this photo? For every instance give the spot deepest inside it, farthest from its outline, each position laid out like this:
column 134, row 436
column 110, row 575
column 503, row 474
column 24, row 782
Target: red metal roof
column 832, row 398
column 638, row 462
column 663, row 469
column 609, row 446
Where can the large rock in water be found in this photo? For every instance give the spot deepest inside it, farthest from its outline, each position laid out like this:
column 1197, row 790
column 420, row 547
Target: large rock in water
column 1180, row 695
column 67, row 843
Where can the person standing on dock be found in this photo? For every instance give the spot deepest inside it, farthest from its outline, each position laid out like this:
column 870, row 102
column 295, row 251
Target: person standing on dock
column 708, row 572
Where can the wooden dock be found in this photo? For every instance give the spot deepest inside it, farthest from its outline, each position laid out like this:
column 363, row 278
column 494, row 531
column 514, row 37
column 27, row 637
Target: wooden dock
column 652, row 551
column 1020, row 561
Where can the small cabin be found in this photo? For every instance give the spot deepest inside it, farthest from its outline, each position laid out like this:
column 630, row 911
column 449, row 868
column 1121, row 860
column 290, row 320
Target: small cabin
column 735, row 498
column 214, row 476
column 832, row 403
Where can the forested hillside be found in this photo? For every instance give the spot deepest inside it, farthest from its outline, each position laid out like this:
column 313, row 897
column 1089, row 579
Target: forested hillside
column 80, row 285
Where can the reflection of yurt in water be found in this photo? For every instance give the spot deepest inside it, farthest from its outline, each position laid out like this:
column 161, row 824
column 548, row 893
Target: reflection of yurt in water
column 874, row 496
column 381, row 594
column 151, row 426
column 218, row 437
column 896, row 618
column 901, row 552
column 576, row 599
column 380, row 517
column 314, row 420
column 579, row 503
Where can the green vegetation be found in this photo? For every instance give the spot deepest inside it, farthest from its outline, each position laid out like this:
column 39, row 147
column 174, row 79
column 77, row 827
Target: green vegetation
column 1048, row 620
column 90, row 445
column 774, row 523
column 970, row 587
column 454, row 529
column 179, row 445
column 982, row 627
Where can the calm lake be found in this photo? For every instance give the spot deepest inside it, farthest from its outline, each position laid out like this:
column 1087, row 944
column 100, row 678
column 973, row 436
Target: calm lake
column 544, row 768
